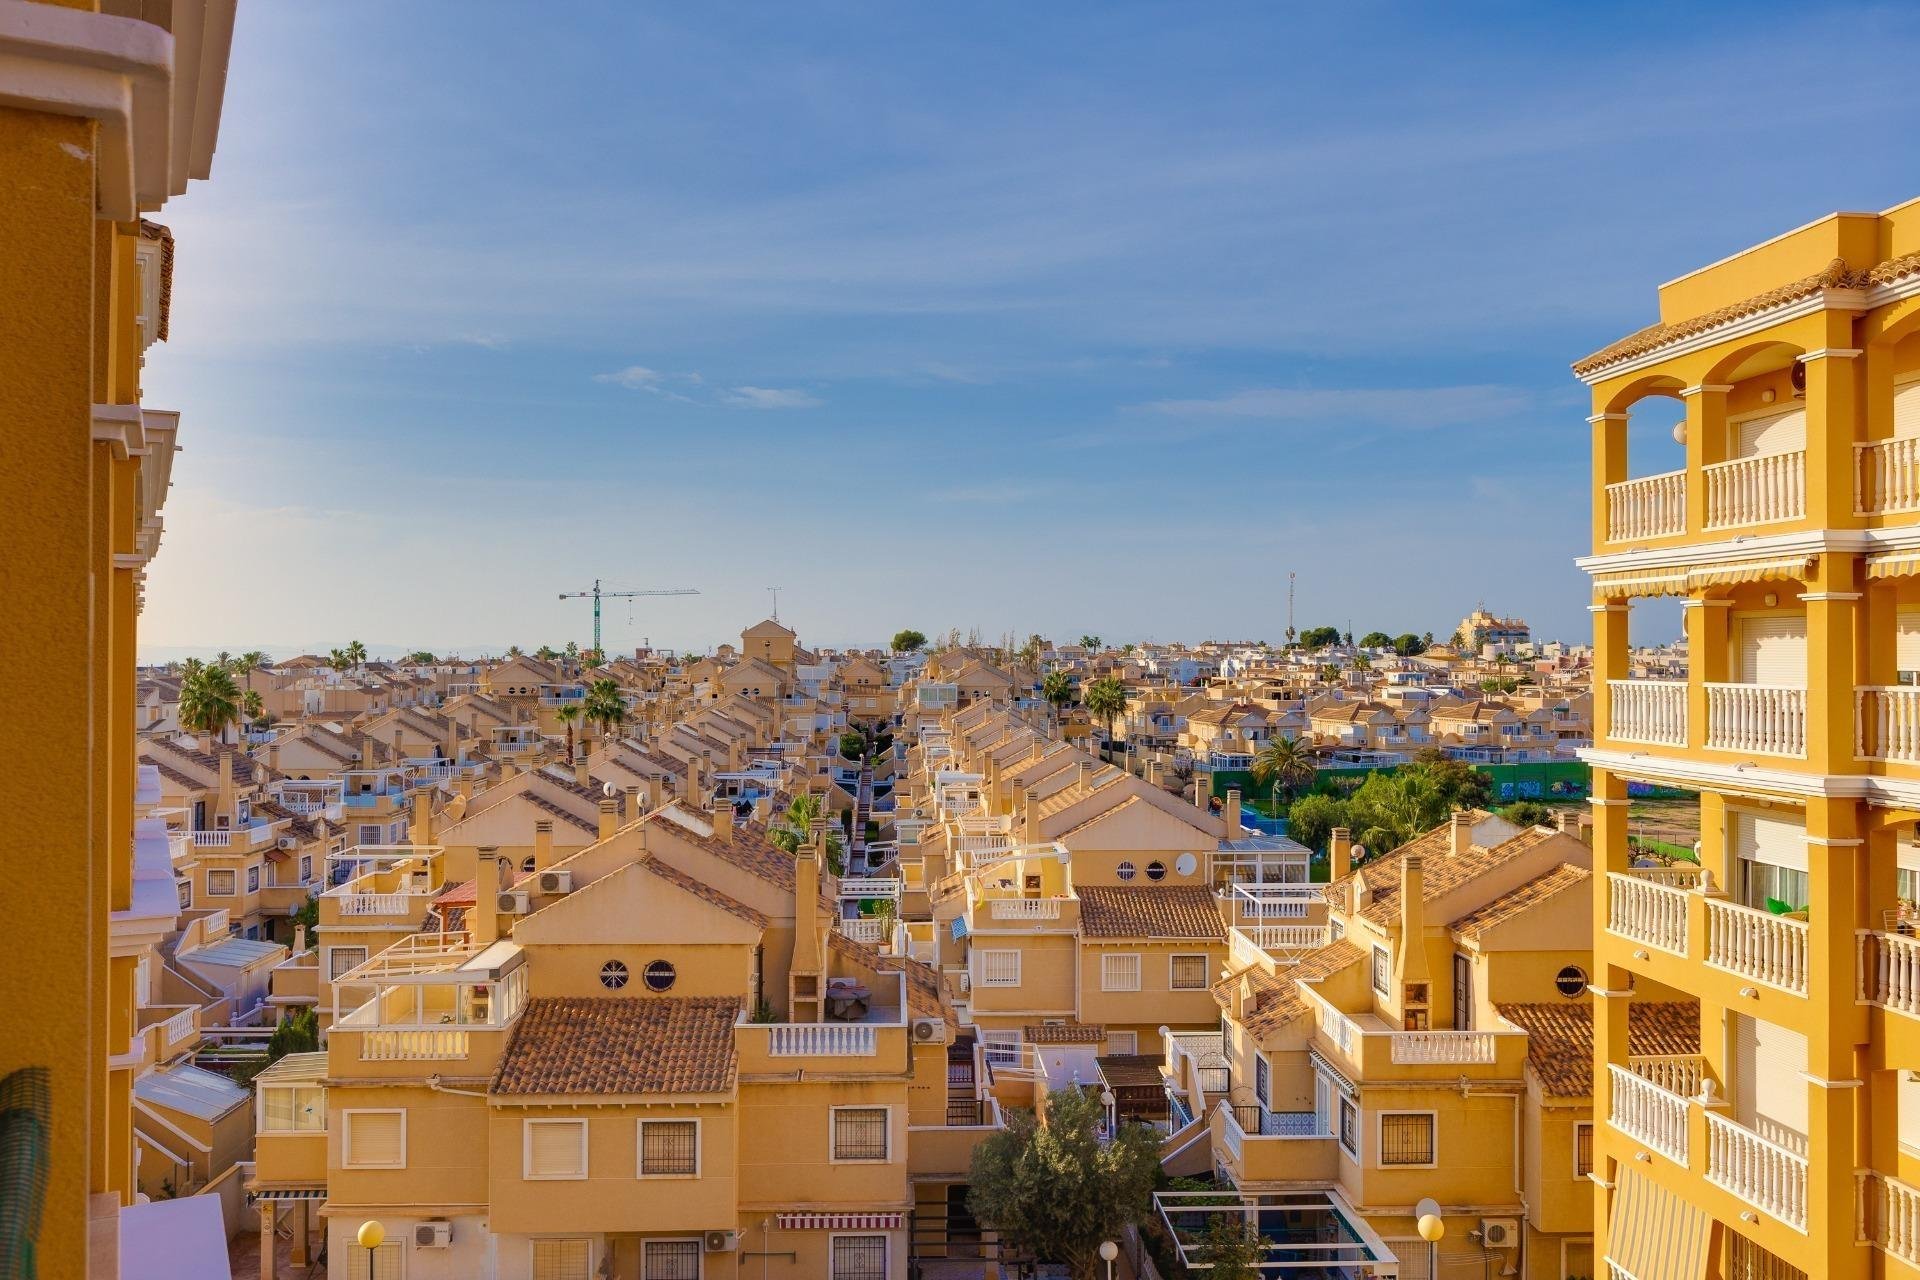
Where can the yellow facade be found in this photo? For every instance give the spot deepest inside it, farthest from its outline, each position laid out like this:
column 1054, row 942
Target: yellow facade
column 1787, row 532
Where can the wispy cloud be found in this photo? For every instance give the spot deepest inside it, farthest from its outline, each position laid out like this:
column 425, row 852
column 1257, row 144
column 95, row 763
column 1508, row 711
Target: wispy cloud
column 634, row 378
column 1394, row 407
column 770, row 398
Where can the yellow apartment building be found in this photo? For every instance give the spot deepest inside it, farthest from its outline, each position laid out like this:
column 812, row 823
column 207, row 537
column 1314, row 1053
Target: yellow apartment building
column 1784, row 516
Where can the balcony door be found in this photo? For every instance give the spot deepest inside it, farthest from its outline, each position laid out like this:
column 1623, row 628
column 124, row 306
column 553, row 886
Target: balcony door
column 1774, row 433
column 1769, row 1081
column 1770, row 860
column 1770, row 649
column 1462, row 992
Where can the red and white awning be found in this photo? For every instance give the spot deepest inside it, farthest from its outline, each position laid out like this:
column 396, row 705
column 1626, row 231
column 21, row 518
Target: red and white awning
column 841, row 1221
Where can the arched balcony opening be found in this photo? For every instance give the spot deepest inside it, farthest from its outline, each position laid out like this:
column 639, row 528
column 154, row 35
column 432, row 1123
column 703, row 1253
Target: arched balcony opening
column 1644, row 462
column 1751, row 412
column 1887, row 462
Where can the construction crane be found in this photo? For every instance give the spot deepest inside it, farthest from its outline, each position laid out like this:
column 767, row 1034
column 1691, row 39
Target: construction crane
column 597, row 595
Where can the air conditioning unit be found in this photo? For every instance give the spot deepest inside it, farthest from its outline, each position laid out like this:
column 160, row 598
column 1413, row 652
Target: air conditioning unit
column 927, row 1030
column 556, row 882
column 513, row 902
column 722, row 1241
column 285, row 842
column 1499, row 1233
column 432, row 1235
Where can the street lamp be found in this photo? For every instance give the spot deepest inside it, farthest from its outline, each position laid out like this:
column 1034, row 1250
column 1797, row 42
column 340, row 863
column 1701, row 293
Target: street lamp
column 371, row 1236
column 1109, row 1251
column 1428, row 1223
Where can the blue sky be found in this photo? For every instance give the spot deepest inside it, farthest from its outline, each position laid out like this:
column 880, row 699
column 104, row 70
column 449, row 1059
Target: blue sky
column 1047, row 318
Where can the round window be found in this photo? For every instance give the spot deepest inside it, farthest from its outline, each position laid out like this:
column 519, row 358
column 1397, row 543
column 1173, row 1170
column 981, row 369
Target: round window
column 1124, row 871
column 613, row 975
column 1570, row 981
column 659, row 975
column 1156, row 871
column 527, row 865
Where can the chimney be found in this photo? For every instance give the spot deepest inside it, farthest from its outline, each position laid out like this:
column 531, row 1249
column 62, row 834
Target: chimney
column 1460, row 836
column 723, row 820
column 422, row 832
column 1340, row 853
column 693, row 795
column 366, row 751
column 581, row 773
column 633, row 804
column 1232, row 813
column 450, row 745
column 735, row 753
column 543, row 844
column 807, row 957
column 299, row 939
column 1202, row 787
column 227, row 804
column 1030, row 825
column 273, row 756
column 1411, row 964
column 483, row 922
column 656, row 792
column 463, row 787
column 609, row 817
column 1086, row 771
column 763, row 810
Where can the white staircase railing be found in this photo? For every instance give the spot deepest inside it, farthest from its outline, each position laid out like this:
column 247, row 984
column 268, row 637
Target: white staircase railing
column 1757, row 490
column 1757, row 944
column 1766, row 719
column 1649, row 711
column 1650, row 507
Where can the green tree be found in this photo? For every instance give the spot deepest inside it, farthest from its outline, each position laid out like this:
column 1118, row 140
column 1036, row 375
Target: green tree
column 356, row 653
column 568, row 714
column 513, row 651
column 546, row 653
column 338, row 659
column 1231, row 1248
column 1107, row 699
column 1528, row 813
column 1090, row 643
column 247, row 663
column 1390, row 809
column 209, row 702
column 1311, row 819
column 252, row 706
column 800, row 815
column 1407, row 644
column 1286, row 761
column 1054, row 1190
column 1057, row 688
column 853, row 746
column 907, row 642
column 605, row 706
column 1376, row 640
column 420, row 658
column 1319, row 637
column 1460, row 785
column 298, row 1032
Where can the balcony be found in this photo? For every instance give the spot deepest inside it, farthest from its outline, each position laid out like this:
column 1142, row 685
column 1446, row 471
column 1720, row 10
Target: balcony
column 1760, row 1172
column 1653, row 712
column 1757, row 719
column 1890, row 1216
column 1886, row 477
column 1648, row 1112
column 1642, row 908
column 1651, row 507
column 1025, row 908
column 1889, row 971
column 1758, row 945
column 1415, row 1048
column 1886, row 722
column 1262, row 1145
column 1759, row 490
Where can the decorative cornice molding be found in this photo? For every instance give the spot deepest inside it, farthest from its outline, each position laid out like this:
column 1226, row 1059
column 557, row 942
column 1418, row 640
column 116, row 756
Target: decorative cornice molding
column 1687, row 393
column 1836, row 353
column 1830, row 595
column 1853, row 300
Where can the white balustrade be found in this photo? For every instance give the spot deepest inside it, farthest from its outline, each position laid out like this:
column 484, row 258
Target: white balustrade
column 1757, row 944
column 377, row 904
column 1231, row 1133
column 1026, row 908
column 211, row 839
column 422, row 1044
column 871, row 929
column 1648, row 912
column 1450, row 1047
column 1765, row 719
column 1886, row 723
column 1679, row 1073
column 1890, row 1215
column 1648, row 1113
column 821, row 1040
column 1762, row 1173
column 869, row 887
column 1756, row 490
column 179, row 1027
column 1681, row 875
column 1886, row 477
column 1889, row 971
column 1649, row 711
column 1338, row 1027
column 1286, row 937
column 1650, row 507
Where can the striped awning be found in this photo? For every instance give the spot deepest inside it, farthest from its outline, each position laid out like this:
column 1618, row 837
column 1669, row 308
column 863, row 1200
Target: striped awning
column 841, row 1221
column 1894, row 564
column 1640, row 582
column 1654, row 1234
column 281, row 1195
column 1736, row 572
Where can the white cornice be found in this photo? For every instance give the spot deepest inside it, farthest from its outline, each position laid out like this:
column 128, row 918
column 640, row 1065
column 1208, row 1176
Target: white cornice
column 1739, row 327
column 1897, row 291
column 1758, row 781
column 1836, row 353
column 1811, row 542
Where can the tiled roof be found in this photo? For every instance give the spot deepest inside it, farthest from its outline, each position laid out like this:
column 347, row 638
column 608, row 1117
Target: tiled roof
column 1528, row 896
column 1275, row 999
column 922, row 980
column 621, row 1045
column 705, row 892
column 1065, row 1033
column 1560, row 1038
column 1443, row 870
column 1149, row 911
column 566, row 815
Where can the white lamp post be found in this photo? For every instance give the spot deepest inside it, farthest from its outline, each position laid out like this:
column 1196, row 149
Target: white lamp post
column 1428, row 1223
column 1109, row 1251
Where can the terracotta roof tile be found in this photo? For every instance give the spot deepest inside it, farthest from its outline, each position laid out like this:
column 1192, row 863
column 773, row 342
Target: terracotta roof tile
column 705, row 892
column 1528, row 896
column 621, row 1045
column 1275, row 999
column 1149, row 911
column 1560, row 1038
column 1065, row 1033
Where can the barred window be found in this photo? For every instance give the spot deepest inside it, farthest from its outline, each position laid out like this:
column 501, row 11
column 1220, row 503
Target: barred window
column 1406, row 1137
column 1582, row 1150
column 1350, row 1127
column 860, row 1133
column 999, row 968
column 1382, row 969
column 342, row 959
column 859, row 1258
column 670, row 1260
column 1120, row 973
column 560, row 1259
column 669, row 1148
column 1189, row 973
column 219, row 884
column 1262, row 1080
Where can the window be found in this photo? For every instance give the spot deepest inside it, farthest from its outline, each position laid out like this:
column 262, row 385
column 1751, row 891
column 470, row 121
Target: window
column 670, row 1260
column 1414, row 1255
column 528, row 865
column 669, row 1148
column 342, row 959
column 554, row 1149
column 1406, row 1137
column 1120, row 973
column 185, row 888
column 1262, row 1080
column 659, row 975
column 374, row 1139
column 613, row 975
column 858, row 1258
column 561, row 1259
column 306, row 868
column 1582, row 1149
column 1188, row 973
column 1350, row 1127
column 998, row 968
column 219, row 884
column 386, row 1263
column 1382, row 970
column 1124, row 870
column 1123, row 1042
column 253, row 879
column 1156, row 870
column 1571, row 981
column 859, row 1133
column 299, row 1108
column 367, row 833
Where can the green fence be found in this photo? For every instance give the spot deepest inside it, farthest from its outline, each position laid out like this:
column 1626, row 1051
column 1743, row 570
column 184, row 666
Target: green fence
column 1554, row 780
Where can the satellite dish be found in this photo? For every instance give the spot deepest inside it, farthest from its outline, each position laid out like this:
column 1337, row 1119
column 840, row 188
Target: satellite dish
column 609, row 790
column 1186, row 864
column 1359, row 853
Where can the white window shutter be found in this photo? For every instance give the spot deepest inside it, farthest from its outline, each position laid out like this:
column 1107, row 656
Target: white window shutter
column 1778, row 433
column 1772, row 650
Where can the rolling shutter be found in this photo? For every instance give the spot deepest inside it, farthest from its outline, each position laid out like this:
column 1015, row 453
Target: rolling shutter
column 376, row 1139
column 1770, row 1085
column 1770, row 840
column 560, row 1259
column 1778, row 433
column 1771, row 649
column 556, row 1148
column 1906, row 411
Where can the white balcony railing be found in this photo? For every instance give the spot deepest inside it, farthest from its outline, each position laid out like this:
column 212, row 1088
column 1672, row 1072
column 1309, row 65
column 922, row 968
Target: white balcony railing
column 1647, row 911
column 1889, row 971
column 1762, row 1173
column 1765, row 719
column 1026, row 908
column 1680, row 1073
column 1420, row 1047
column 821, row 1040
column 1650, row 507
column 1758, row 490
column 425, row 1044
column 869, row 887
column 870, row 929
column 1286, row 937
column 1890, row 1215
column 379, row 904
column 180, row 1027
column 1886, row 723
column 1650, row 711
column 1886, row 477
column 1648, row 1113
column 1757, row 944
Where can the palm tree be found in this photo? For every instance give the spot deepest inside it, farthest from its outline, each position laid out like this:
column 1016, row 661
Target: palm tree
column 209, row 702
column 1285, row 761
column 605, row 706
column 546, row 653
column 567, row 714
column 338, row 660
column 1057, row 689
column 249, row 662
column 356, row 653
column 1106, row 698
column 1089, row 643
column 513, row 651
column 252, row 707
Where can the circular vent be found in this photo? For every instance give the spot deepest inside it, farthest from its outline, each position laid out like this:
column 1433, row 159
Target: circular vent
column 659, row 975
column 613, row 975
column 1570, row 981
column 1156, row 871
column 1124, row 871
